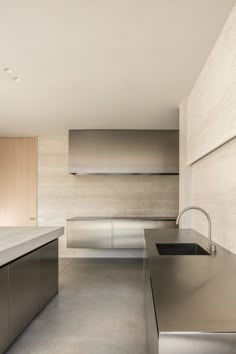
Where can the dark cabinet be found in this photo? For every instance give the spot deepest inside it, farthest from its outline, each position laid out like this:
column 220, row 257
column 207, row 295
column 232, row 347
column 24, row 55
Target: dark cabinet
column 48, row 272
column 150, row 314
column 26, row 286
column 24, row 292
column 3, row 308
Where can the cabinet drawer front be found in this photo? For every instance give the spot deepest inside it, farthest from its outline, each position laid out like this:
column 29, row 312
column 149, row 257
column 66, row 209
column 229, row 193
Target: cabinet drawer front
column 130, row 234
column 24, row 292
column 89, row 234
column 48, row 272
column 166, row 225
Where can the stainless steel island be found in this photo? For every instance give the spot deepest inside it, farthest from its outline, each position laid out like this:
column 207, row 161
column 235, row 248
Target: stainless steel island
column 28, row 276
column 190, row 299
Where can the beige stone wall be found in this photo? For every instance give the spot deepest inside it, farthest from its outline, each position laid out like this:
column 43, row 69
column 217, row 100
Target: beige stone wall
column 62, row 196
column 212, row 102
column 214, row 188
column 208, row 120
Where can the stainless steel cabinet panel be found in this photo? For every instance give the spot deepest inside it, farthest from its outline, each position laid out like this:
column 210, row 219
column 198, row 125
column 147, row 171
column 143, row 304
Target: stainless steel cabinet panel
column 48, row 272
column 130, row 233
column 24, row 278
column 3, row 308
column 166, row 225
column 89, row 234
column 197, row 343
column 123, row 151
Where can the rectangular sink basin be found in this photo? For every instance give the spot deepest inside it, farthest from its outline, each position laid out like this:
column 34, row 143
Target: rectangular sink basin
column 181, row 249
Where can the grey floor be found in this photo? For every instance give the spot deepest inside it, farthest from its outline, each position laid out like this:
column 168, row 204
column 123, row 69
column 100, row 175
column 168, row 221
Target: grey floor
column 99, row 310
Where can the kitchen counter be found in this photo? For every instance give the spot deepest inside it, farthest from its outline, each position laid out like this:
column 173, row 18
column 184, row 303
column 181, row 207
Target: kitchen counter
column 146, row 218
column 192, row 295
column 17, row 241
column 28, row 276
column 112, row 232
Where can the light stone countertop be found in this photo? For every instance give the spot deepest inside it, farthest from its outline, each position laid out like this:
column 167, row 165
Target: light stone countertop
column 17, row 241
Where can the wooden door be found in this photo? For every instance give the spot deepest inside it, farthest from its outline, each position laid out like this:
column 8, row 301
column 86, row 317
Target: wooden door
column 18, row 181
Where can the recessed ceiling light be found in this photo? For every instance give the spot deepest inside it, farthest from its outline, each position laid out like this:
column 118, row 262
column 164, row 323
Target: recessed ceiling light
column 7, row 70
column 16, row 78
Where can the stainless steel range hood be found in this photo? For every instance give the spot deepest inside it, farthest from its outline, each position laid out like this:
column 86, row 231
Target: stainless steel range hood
column 123, row 151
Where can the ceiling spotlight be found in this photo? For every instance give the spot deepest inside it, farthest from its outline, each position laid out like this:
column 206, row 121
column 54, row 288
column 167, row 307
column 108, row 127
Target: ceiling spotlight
column 7, row 70
column 16, row 78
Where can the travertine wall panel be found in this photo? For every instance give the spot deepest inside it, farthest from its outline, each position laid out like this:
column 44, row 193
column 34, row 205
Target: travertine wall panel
column 210, row 114
column 214, row 189
column 212, row 102
column 62, row 196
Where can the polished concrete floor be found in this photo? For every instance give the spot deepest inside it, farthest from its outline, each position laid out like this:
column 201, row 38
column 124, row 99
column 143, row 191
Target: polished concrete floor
column 99, row 310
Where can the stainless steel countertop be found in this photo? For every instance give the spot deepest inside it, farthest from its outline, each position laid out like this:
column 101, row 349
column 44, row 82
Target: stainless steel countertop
column 145, row 218
column 192, row 293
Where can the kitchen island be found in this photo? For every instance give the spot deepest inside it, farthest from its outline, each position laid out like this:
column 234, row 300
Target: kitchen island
column 190, row 299
column 28, row 276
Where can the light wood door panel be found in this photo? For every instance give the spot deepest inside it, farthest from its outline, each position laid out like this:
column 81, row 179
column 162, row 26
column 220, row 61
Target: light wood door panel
column 18, row 181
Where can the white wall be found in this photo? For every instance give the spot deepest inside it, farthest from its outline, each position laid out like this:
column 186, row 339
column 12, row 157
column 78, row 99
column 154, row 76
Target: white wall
column 62, row 196
column 208, row 121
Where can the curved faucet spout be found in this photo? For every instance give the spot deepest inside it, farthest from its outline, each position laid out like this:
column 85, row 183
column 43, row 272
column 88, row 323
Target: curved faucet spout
column 211, row 246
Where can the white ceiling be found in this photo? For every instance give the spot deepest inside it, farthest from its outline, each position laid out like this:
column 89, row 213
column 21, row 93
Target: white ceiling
column 101, row 63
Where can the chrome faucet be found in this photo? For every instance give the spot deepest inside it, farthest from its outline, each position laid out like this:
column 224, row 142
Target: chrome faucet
column 211, row 245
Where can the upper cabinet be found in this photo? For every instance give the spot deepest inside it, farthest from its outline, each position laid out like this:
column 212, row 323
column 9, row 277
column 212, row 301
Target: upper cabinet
column 124, row 151
column 18, row 181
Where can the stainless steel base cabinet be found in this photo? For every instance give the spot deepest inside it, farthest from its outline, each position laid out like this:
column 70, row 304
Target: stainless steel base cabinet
column 111, row 233
column 3, row 308
column 130, row 233
column 89, row 234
